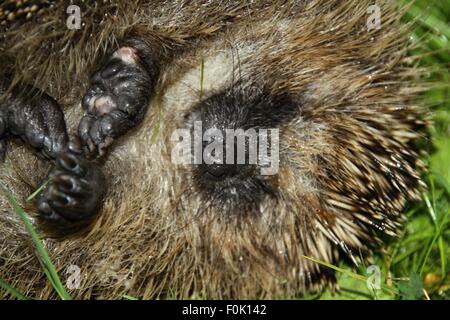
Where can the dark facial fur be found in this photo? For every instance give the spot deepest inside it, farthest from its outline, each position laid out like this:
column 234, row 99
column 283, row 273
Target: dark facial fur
column 233, row 187
column 343, row 98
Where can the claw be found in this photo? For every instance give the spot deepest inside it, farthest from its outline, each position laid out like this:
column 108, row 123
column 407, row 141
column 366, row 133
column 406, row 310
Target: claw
column 75, row 146
column 69, row 162
column 44, row 208
column 65, row 183
column 56, row 218
column 69, row 184
column 57, row 197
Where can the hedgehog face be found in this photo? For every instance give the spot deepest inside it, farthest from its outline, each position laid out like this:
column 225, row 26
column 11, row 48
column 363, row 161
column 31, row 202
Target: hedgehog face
column 236, row 148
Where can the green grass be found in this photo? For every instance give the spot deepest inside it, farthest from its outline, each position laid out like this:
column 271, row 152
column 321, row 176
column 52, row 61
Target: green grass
column 9, row 289
column 414, row 266
column 44, row 259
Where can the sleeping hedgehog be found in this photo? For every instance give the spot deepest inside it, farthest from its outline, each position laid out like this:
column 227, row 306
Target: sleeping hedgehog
column 99, row 105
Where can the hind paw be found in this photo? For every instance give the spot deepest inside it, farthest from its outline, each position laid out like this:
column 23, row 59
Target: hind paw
column 75, row 191
column 115, row 101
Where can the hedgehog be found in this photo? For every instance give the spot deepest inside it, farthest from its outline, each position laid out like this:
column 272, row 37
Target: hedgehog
column 93, row 109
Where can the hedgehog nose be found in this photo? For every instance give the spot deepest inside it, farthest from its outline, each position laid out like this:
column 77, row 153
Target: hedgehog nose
column 220, row 171
column 220, row 166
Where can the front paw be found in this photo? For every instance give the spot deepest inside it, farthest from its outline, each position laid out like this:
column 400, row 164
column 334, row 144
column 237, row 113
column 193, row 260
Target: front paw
column 115, row 101
column 75, row 190
column 35, row 118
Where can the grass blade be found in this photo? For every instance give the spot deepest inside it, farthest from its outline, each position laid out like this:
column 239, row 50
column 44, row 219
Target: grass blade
column 349, row 273
column 35, row 193
column 43, row 255
column 12, row 290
